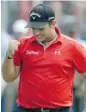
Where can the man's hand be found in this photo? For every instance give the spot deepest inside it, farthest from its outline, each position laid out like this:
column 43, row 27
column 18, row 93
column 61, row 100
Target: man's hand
column 9, row 71
column 12, row 47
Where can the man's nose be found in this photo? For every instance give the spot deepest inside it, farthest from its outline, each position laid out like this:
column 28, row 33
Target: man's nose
column 37, row 32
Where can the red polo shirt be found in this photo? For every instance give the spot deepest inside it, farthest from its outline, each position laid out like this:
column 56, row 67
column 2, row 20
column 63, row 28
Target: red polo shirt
column 46, row 76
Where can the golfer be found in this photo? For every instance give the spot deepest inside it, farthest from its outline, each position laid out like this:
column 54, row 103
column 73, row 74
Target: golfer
column 45, row 63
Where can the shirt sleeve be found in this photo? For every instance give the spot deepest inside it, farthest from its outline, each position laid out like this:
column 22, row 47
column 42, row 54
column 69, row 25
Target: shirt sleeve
column 79, row 58
column 17, row 58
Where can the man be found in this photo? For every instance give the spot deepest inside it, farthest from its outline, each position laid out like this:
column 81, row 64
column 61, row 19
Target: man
column 46, row 64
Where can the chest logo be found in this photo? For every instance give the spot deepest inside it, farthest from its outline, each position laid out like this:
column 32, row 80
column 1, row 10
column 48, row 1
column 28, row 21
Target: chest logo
column 57, row 52
column 32, row 52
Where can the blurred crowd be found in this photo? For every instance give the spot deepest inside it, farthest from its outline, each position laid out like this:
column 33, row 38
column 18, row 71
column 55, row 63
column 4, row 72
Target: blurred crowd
column 71, row 20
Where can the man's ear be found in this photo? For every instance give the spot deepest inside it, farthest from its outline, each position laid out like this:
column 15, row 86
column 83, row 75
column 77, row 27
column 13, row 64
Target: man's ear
column 53, row 24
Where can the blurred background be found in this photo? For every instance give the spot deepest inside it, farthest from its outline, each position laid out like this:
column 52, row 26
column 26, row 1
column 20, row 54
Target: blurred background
column 71, row 19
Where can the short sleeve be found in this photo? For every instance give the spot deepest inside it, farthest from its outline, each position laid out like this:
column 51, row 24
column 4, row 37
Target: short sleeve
column 79, row 58
column 17, row 58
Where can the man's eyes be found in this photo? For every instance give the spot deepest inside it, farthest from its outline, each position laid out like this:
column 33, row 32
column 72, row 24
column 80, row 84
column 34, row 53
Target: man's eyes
column 41, row 29
column 38, row 29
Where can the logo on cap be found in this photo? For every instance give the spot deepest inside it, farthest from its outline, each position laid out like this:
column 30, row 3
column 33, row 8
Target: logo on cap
column 34, row 15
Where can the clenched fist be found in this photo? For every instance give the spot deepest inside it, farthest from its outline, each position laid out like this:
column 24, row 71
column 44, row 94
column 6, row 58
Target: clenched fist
column 12, row 47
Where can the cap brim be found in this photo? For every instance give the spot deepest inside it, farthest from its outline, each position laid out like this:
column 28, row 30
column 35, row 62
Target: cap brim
column 36, row 24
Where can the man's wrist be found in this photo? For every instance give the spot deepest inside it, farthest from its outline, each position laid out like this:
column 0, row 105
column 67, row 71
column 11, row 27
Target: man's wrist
column 8, row 56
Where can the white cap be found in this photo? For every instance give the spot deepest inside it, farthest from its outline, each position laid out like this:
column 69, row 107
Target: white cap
column 19, row 26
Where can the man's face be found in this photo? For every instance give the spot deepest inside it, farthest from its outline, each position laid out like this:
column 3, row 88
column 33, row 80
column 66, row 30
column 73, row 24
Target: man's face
column 43, row 34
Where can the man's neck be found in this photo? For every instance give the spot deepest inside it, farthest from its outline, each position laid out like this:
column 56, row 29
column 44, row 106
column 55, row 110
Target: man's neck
column 50, row 41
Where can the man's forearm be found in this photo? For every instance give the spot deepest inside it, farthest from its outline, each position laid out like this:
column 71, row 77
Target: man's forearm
column 8, row 70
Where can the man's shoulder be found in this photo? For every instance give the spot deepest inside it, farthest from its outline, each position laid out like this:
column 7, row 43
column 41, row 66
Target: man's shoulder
column 72, row 42
column 68, row 40
column 82, row 42
column 26, row 39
